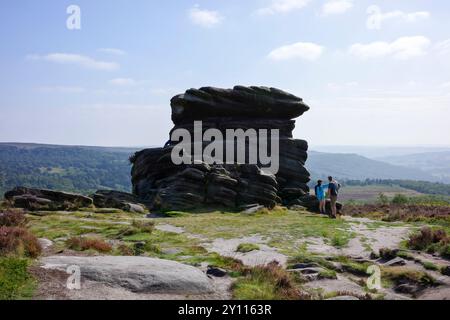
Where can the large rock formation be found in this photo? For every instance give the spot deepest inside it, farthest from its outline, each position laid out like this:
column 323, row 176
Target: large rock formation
column 161, row 184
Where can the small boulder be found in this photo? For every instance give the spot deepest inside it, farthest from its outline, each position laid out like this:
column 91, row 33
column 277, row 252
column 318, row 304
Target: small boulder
column 216, row 272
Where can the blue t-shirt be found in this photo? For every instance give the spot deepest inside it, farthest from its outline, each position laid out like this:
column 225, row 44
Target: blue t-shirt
column 320, row 192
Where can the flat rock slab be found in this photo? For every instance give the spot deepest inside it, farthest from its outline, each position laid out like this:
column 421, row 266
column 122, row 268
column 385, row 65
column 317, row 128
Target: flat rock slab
column 263, row 256
column 169, row 228
column 136, row 274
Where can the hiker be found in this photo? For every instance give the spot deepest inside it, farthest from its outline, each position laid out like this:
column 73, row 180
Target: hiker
column 333, row 190
column 320, row 194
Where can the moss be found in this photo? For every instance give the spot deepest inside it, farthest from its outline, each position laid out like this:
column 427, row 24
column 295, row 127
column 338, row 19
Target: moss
column 430, row 266
column 327, row 274
column 247, row 247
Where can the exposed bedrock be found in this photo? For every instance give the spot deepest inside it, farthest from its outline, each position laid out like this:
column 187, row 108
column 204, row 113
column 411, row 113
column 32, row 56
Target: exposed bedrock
column 161, row 184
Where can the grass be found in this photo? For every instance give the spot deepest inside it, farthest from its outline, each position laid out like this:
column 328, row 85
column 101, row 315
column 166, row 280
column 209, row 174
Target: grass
column 269, row 282
column 282, row 227
column 15, row 281
column 398, row 275
column 247, row 247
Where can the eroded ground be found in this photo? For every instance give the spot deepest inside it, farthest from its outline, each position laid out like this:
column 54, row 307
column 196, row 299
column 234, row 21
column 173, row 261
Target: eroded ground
column 329, row 257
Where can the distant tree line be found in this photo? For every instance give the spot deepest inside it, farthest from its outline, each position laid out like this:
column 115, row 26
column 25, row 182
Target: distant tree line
column 67, row 169
column 425, row 187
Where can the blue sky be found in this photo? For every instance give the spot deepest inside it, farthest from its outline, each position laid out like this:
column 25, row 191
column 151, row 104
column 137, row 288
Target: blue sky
column 373, row 72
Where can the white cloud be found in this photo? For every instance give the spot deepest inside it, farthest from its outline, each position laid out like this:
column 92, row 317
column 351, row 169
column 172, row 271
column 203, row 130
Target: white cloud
column 336, row 7
column 114, row 51
column 342, row 86
column 123, row 82
column 61, row 89
column 300, row 50
column 205, row 18
column 443, row 47
column 402, row 48
column 76, row 59
column 445, row 85
column 377, row 17
column 283, row 6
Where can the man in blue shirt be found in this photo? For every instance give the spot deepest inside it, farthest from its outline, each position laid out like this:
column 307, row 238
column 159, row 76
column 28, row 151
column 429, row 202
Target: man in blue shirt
column 333, row 190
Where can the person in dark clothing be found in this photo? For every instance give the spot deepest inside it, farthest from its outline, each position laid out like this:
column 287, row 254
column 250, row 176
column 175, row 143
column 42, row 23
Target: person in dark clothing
column 333, row 191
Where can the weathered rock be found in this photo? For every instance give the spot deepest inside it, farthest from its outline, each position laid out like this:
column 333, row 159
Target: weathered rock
column 164, row 186
column 116, row 199
column 395, row 262
column 137, row 274
column 45, row 243
column 344, row 298
column 37, row 199
column 247, row 102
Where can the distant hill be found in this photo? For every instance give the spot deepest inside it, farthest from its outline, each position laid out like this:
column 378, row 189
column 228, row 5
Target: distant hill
column 436, row 164
column 68, row 168
column 356, row 167
column 86, row 169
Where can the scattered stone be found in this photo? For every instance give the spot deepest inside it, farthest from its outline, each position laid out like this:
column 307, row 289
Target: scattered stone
column 169, row 228
column 137, row 274
column 216, row 272
column 305, row 265
column 45, row 243
column 407, row 288
column 118, row 200
column 46, row 200
column 395, row 262
column 253, row 209
column 344, row 298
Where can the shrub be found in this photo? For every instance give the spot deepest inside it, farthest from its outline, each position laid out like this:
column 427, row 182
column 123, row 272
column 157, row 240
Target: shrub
column 125, row 250
column 427, row 237
column 137, row 227
column 383, row 199
column 83, row 244
column 143, row 226
column 18, row 241
column 12, row 218
column 431, row 241
column 400, row 199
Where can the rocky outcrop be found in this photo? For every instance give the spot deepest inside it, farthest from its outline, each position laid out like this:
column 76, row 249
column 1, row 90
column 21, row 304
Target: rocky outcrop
column 37, row 199
column 166, row 186
column 116, row 199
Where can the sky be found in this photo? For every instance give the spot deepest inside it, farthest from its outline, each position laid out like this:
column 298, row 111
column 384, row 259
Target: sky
column 373, row 72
